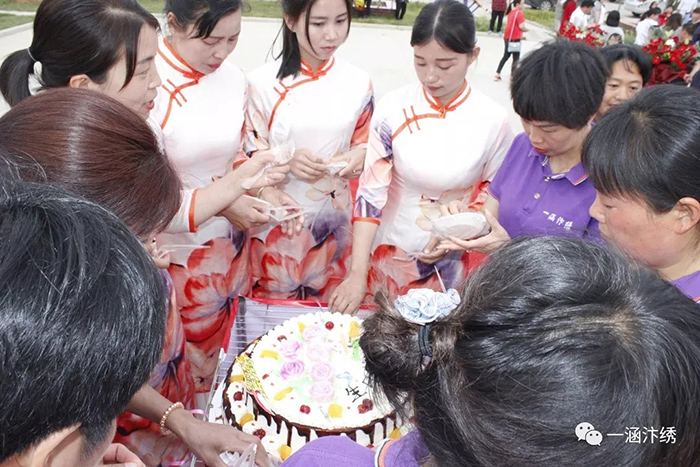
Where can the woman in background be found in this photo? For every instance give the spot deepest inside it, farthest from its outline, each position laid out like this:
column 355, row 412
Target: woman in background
column 515, row 26
column 630, row 70
column 612, row 32
column 569, row 7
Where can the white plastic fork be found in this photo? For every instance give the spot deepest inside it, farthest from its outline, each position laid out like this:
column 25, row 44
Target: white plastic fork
column 283, row 154
column 165, row 249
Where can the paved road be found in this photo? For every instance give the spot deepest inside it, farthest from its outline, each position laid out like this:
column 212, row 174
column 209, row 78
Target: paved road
column 383, row 51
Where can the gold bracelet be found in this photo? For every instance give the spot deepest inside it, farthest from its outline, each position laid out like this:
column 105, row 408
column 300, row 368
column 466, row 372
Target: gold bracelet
column 164, row 418
column 260, row 191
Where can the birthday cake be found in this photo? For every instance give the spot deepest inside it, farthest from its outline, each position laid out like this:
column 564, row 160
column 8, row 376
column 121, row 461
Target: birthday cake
column 305, row 379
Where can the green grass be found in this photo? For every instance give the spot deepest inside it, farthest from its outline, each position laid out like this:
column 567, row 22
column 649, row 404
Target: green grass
column 9, row 5
column 271, row 9
column 7, row 21
column 545, row 18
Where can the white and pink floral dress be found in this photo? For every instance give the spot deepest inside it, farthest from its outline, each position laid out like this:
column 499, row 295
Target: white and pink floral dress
column 326, row 111
column 423, row 154
column 201, row 120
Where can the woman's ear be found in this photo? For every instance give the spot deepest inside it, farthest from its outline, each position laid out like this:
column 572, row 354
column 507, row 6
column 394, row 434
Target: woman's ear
column 81, row 82
column 474, row 55
column 171, row 21
column 288, row 21
column 688, row 214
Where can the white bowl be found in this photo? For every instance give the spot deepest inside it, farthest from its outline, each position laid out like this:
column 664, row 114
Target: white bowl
column 465, row 226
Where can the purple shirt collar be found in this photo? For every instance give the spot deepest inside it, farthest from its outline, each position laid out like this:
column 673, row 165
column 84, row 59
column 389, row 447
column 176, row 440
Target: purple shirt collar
column 576, row 175
column 408, row 451
column 689, row 285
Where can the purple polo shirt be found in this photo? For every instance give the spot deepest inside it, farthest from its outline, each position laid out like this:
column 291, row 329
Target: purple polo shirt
column 689, row 285
column 341, row 451
column 534, row 201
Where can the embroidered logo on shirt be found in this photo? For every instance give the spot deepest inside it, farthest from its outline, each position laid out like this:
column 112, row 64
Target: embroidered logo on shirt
column 558, row 220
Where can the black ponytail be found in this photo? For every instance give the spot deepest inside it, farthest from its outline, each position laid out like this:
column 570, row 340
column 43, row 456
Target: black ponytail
column 14, row 76
column 511, row 5
column 291, row 56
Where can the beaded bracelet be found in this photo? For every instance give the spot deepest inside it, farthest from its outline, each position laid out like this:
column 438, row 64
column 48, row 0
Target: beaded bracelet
column 164, row 418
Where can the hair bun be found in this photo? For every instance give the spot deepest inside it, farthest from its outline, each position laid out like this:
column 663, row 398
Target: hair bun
column 392, row 351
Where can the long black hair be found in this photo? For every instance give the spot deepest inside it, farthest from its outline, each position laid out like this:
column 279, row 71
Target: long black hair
column 74, row 37
column 291, row 55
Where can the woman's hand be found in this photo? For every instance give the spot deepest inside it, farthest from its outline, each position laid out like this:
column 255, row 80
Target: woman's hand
column 162, row 260
column 455, row 207
column 119, row 455
column 432, row 253
column 435, row 249
column 208, row 440
column 348, row 296
column 486, row 244
column 261, row 161
column 307, row 166
column 246, row 212
column 276, row 198
column 355, row 159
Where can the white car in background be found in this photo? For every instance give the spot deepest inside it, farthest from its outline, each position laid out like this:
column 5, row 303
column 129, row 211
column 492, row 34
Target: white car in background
column 637, row 7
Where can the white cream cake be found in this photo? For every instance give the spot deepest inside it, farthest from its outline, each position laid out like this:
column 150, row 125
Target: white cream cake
column 305, row 379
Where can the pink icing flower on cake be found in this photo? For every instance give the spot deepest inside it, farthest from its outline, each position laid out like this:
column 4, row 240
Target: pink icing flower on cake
column 292, row 370
column 290, row 349
column 313, row 333
column 322, row 392
column 318, row 352
column 322, row 372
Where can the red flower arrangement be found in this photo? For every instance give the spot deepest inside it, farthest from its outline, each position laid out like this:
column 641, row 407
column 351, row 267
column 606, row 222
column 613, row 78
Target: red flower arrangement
column 592, row 35
column 670, row 59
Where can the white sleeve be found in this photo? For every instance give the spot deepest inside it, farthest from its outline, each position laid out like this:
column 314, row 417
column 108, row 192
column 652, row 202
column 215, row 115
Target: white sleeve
column 184, row 219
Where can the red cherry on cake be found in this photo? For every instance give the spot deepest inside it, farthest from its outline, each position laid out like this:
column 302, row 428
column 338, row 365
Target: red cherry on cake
column 366, row 406
column 305, row 409
column 259, row 433
column 370, row 446
column 238, row 396
column 265, row 376
column 281, row 338
column 330, row 325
